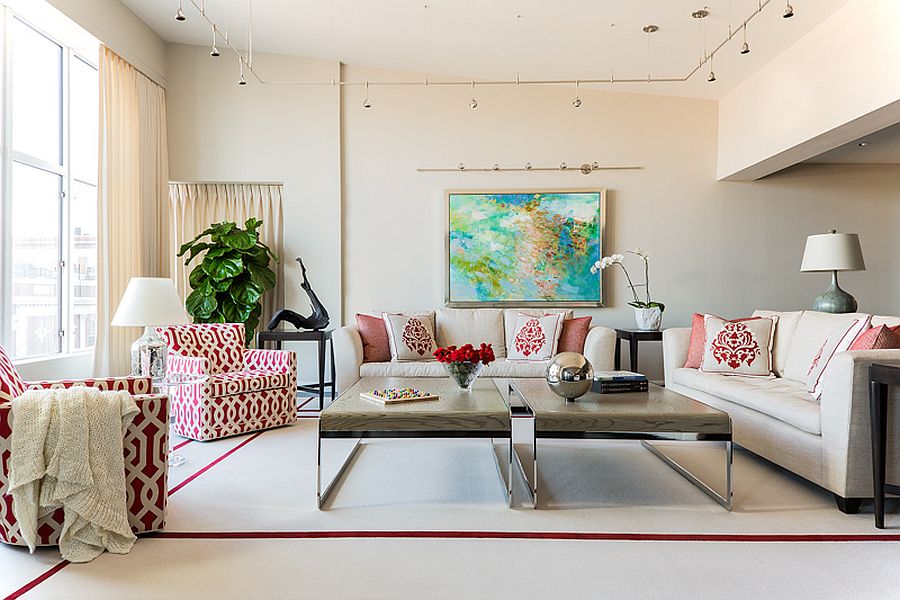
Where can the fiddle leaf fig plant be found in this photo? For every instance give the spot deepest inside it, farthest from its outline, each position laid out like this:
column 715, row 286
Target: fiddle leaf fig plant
column 228, row 283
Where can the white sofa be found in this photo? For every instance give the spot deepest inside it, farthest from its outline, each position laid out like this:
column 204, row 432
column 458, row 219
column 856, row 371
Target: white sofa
column 458, row 327
column 825, row 441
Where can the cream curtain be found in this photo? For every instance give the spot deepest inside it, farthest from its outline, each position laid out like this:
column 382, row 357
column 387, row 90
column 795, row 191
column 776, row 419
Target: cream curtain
column 196, row 206
column 132, row 198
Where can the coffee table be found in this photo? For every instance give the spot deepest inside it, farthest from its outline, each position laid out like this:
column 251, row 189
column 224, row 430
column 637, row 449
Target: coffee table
column 483, row 412
column 658, row 414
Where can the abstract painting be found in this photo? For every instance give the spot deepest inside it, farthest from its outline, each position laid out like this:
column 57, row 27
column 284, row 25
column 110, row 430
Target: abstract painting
column 524, row 247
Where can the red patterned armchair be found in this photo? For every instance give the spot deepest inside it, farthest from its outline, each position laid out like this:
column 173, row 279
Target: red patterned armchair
column 146, row 451
column 236, row 390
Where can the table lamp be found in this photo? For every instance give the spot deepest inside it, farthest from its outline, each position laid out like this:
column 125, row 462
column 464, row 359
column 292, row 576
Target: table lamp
column 149, row 302
column 833, row 252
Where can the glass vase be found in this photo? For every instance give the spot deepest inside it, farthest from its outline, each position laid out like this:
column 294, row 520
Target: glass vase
column 464, row 374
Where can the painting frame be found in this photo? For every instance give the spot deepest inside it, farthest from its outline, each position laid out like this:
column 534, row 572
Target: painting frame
column 451, row 302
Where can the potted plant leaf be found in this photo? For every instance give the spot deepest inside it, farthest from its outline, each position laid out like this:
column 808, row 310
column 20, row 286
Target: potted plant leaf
column 228, row 284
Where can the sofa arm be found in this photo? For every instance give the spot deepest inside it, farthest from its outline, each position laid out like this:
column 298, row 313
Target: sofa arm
column 132, row 385
column 845, row 422
column 348, row 356
column 176, row 364
column 600, row 348
column 676, row 342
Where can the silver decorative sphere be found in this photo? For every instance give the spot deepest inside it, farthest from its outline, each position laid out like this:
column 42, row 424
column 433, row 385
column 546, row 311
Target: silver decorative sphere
column 570, row 375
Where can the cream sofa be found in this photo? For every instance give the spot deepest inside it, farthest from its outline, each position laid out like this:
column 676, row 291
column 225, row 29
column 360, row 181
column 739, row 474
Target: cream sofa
column 458, row 327
column 825, row 441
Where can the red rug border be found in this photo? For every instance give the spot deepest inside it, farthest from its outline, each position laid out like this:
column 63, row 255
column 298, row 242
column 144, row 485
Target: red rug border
column 530, row 535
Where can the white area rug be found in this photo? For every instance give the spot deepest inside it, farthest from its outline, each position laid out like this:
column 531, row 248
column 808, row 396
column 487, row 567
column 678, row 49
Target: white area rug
column 427, row 519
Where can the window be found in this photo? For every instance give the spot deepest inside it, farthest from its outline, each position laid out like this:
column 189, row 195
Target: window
column 49, row 203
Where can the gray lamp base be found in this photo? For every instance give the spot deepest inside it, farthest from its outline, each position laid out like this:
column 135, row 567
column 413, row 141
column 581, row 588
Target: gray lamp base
column 835, row 300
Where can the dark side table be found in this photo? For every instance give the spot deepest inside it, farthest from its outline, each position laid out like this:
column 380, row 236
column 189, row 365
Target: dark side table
column 322, row 337
column 881, row 378
column 633, row 336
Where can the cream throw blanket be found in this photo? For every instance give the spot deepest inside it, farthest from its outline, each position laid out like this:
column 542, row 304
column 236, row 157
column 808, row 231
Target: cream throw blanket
column 67, row 451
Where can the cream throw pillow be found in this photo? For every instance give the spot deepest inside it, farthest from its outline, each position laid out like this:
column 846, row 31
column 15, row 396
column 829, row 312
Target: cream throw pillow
column 839, row 340
column 742, row 347
column 411, row 337
column 534, row 338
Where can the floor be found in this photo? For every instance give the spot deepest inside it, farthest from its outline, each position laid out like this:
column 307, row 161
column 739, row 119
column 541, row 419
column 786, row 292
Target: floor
column 427, row 519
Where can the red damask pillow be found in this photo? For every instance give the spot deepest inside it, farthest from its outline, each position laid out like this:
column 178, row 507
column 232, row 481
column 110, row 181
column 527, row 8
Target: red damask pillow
column 411, row 337
column 376, row 347
column 698, row 340
column 740, row 347
column 534, row 338
column 881, row 337
column 574, row 333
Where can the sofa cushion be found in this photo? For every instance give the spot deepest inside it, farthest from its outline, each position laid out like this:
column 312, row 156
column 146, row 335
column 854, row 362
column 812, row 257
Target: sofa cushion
column 784, row 334
column 461, row 326
column 411, row 337
column 240, row 382
column 372, row 332
column 498, row 368
column 839, row 340
column 511, row 314
column 780, row 398
column 880, row 337
column 741, row 347
column 535, row 338
column 812, row 331
column 574, row 333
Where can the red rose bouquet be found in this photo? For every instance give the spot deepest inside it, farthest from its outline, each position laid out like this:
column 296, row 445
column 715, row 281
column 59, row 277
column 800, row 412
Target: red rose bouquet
column 466, row 354
column 465, row 364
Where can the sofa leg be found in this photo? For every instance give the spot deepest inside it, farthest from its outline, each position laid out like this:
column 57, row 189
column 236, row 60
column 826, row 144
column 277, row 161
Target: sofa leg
column 848, row 506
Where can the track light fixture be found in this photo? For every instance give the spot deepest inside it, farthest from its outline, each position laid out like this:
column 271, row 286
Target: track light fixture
column 577, row 101
column 473, row 104
column 788, row 11
column 745, row 47
column 712, row 74
column 179, row 14
column 366, row 102
column 214, row 52
column 242, row 81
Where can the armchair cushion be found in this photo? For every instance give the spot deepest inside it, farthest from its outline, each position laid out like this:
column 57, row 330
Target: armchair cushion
column 228, row 384
column 186, row 365
column 222, row 344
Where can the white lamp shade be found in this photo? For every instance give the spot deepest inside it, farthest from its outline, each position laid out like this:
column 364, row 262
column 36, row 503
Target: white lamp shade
column 149, row 302
column 833, row 252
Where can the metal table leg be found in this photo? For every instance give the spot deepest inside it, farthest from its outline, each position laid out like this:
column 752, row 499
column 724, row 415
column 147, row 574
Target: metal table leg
column 726, row 501
column 322, row 496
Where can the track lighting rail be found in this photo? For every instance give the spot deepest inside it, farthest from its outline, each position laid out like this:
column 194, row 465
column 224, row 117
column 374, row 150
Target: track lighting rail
column 246, row 61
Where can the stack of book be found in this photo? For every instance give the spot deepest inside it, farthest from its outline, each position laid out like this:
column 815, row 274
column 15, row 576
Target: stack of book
column 618, row 382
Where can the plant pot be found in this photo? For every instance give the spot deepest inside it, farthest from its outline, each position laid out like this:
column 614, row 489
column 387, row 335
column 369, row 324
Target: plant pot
column 648, row 319
column 464, row 374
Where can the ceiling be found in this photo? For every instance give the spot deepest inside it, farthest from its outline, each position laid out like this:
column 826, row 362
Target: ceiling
column 484, row 39
column 881, row 147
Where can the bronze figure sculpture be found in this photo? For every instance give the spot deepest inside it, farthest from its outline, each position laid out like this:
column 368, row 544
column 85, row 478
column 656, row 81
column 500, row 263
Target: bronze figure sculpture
column 317, row 320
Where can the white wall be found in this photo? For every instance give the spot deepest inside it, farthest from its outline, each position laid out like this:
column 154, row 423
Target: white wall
column 724, row 247
column 122, row 31
column 836, row 84
column 219, row 131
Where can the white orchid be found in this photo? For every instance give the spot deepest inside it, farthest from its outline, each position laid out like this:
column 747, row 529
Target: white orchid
column 617, row 259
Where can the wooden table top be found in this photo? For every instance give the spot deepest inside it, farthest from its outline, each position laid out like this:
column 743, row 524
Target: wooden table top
column 482, row 409
column 657, row 410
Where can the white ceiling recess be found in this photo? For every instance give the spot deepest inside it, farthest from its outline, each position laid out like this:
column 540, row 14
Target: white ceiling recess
column 484, row 39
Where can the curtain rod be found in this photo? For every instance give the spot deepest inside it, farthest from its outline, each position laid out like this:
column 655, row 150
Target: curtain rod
column 281, row 183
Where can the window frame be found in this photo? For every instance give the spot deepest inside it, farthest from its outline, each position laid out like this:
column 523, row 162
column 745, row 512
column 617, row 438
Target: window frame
column 9, row 156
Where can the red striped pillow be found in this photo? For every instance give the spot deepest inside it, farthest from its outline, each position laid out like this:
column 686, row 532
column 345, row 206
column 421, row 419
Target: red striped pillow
column 839, row 341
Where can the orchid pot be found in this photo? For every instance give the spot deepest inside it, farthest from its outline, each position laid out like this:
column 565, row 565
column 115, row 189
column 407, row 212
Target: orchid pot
column 648, row 319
